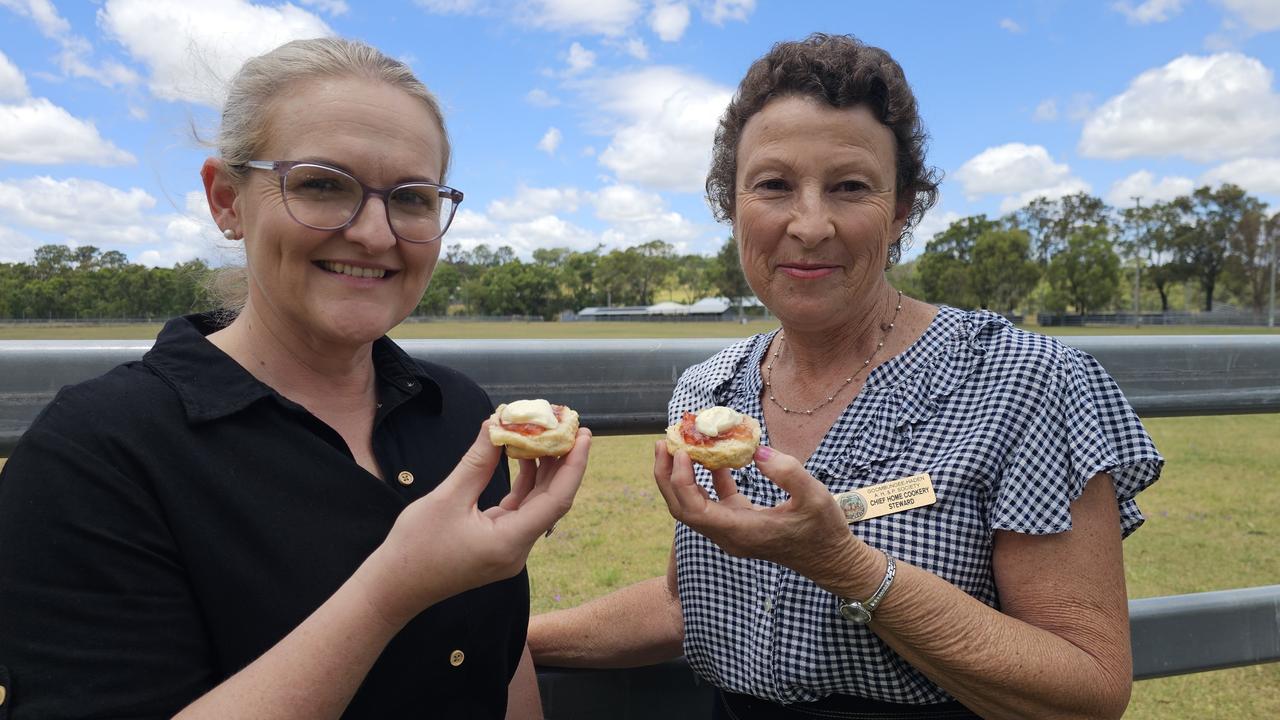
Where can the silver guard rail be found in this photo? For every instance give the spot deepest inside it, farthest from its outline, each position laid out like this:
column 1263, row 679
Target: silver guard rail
column 622, row 386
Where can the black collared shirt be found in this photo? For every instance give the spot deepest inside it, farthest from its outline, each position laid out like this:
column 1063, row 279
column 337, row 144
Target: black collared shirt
column 165, row 524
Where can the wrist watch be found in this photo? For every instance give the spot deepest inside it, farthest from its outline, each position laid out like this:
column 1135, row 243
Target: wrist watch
column 860, row 612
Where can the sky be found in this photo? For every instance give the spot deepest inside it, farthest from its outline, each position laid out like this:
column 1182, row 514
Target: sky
column 578, row 123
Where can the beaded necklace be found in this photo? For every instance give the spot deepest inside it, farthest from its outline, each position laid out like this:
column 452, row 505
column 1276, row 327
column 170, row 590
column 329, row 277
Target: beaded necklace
column 768, row 371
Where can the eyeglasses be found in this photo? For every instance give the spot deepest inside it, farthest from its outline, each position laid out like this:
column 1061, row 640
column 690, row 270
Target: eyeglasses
column 326, row 198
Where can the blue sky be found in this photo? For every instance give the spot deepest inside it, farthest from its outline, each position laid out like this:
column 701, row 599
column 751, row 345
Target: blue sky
column 578, row 122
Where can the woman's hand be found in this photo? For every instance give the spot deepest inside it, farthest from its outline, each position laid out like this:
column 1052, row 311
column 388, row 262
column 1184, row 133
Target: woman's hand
column 806, row 533
column 443, row 544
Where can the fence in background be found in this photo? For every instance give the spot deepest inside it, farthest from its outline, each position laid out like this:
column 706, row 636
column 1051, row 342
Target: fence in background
column 1234, row 318
column 622, row 387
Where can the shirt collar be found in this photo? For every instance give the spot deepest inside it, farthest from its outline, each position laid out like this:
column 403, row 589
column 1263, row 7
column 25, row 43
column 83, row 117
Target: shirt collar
column 211, row 385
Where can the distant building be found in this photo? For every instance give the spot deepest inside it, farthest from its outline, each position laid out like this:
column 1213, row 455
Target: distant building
column 712, row 308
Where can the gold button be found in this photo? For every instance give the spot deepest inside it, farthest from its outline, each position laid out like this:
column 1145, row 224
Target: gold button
column 456, row 657
column 405, row 477
column 3, row 693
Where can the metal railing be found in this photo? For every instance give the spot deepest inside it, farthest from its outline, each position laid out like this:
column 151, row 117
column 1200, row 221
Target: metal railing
column 622, row 387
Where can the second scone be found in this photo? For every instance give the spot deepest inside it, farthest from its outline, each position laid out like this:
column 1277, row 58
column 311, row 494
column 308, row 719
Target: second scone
column 716, row 437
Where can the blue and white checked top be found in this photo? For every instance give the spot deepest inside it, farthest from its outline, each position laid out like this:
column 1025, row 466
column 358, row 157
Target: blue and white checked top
column 1009, row 424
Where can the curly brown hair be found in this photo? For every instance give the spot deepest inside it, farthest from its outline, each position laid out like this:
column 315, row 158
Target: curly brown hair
column 843, row 72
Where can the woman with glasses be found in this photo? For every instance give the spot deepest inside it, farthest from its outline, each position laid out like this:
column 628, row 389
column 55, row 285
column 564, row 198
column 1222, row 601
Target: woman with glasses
column 277, row 512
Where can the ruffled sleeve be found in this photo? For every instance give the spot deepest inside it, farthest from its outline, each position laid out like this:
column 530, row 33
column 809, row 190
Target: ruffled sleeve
column 1080, row 426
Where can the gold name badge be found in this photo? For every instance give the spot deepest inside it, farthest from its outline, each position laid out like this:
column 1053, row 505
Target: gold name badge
column 886, row 498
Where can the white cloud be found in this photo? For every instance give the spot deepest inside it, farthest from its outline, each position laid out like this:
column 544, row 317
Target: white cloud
column 636, row 48
column 1011, row 25
column 537, row 218
column 1019, row 172
column 668, row 20
column 524, row 237
column 173, row 253
column 1070, row 186
column 1010, row 168
column 636, row 216
column 451, row 7
column 530, row 203
column 1080, row 107
column 1151, row 11
column 185, row 236
column 192, row 49
column 74, row 48
column 81, row 210
column 665, row 123
column 541, row 98
column 470, row 223
column 1047, row 110
column 722, row 10
column 13, row 86
column 550, row 141
column 471, row 228
column 550, row 231
column 932, row 224
column 1257, row 175
column 14, row 246
column 626, row 203
column 109, row 73
column 596, row 17
column 1259, row 15
column 330, row 7
column 39, row 132
column 579, row 59
column 1143, row 184
column 88, row 212
column 43, row 13
column 1202, row 108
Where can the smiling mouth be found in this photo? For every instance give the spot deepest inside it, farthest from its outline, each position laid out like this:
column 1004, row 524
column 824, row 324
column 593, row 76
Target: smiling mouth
column 807, row 271
column 353, row 271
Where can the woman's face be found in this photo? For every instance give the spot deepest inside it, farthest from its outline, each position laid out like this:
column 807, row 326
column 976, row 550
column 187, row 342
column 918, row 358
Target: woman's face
column 816, row 210
column 352, row 285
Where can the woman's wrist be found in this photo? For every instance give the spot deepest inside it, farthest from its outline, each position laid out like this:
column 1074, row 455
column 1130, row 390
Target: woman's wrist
column 389, row 601
column 854, row 570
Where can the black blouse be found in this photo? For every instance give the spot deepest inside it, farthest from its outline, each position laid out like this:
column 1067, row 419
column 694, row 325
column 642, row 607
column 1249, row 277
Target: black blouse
column 165, row 524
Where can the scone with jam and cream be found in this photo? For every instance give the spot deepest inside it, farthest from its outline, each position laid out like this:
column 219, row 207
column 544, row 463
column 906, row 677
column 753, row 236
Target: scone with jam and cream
column 532, row 429
column 717, row 437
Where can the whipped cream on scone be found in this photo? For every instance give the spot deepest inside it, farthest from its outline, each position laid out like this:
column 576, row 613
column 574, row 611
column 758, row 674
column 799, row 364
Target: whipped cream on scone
column 716, row 437
column 532, row 429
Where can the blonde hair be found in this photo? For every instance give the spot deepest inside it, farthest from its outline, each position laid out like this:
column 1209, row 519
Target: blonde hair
column 246, row 115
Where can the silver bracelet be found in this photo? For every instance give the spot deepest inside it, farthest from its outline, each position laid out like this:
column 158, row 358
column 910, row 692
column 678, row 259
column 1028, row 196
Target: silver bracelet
column 860, row 612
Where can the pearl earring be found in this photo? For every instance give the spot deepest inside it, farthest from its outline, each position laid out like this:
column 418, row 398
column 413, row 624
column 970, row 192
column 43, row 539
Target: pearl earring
column 229, row 234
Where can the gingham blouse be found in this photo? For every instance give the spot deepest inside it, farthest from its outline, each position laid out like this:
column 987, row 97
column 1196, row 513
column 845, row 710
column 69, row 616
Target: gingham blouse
column 1009, row 424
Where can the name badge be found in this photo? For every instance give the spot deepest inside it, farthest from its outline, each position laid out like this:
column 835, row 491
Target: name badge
column 887, row 498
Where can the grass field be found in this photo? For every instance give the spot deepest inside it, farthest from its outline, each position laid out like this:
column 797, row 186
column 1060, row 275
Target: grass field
column 1212, row 519
column 555, row 330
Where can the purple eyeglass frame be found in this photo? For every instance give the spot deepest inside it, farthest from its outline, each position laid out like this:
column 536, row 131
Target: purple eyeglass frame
column 282, row 168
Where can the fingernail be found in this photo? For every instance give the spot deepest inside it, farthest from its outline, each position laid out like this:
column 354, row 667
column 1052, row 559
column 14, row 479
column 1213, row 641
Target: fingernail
column 764, row 452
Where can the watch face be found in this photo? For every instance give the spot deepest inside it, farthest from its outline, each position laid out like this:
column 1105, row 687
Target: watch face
column 854, row 612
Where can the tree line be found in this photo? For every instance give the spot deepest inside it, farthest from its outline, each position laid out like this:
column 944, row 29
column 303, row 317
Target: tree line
column 1078, row 254
column 486, row 281
column 85, row 282
column 1073, row 253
